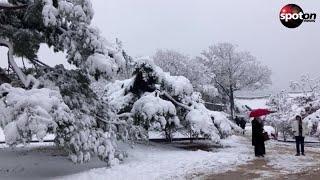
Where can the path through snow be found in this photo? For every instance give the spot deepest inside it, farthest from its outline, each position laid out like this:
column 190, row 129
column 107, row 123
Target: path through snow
column 279, row 163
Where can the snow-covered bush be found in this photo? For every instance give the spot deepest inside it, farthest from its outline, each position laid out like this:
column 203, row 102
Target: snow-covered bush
column 157, row 100
column 314, row 123
column 93, row 127
column 281, row 119
column 306, row 105
column 36, row 112
column 28, row 113
column 82, row 123
column 152, row 112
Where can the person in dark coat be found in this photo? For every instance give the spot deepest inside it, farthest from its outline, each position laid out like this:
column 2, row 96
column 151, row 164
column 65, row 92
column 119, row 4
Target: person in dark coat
column 243, row 123
column 237, row 120
column 257, row 137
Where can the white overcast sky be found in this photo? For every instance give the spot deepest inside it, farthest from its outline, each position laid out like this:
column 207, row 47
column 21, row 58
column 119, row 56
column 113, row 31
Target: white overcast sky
column 190, row 26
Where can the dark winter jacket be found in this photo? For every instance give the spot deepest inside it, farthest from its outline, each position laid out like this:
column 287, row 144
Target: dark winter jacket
column 243, row 123
column 257, row 132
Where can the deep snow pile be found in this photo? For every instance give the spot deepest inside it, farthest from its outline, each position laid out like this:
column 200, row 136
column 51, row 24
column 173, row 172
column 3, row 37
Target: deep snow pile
column 154, row 99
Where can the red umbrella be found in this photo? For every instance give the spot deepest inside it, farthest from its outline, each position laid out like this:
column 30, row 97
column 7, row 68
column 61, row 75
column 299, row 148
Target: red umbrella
column 260, row 112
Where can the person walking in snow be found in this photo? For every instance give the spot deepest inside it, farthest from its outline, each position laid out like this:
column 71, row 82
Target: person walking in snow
column 257, row 137
column 300, row 130
column 243, row 123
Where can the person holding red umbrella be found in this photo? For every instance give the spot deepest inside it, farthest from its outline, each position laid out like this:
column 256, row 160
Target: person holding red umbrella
column 258, row 137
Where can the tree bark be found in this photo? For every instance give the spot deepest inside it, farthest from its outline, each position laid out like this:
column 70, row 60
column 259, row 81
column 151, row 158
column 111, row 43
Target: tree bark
column 231, row 97
column 26, row 80
column 176, row 102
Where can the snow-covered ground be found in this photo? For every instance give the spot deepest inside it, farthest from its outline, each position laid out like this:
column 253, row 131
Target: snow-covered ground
column 156, row 161
column 280, row 162
column 152, row 135
column 39, row 161
column 281, row 157
column 47, row 137
column 145, row 161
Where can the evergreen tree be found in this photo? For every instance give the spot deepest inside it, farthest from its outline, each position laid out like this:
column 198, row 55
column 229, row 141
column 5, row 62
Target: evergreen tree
column 87, row 127
column 155, row 100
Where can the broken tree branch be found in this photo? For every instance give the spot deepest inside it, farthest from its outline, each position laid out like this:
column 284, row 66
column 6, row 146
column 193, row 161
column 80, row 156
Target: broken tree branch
column 176, row 102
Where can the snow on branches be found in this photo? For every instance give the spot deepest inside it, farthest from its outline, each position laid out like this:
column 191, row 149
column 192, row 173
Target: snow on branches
column 84, row 45
column 37, row 112
column 179, row 64
column 281, row 119
column 158, row 101
column 287, row 106
column 65, row 26
column 308, row 101
column 30, row 112
column 152, row 112
column 306, row 85
column 49, row 13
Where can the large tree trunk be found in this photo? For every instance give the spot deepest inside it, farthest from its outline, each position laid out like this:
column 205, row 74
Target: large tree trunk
column 26, row 80
column 231, row 99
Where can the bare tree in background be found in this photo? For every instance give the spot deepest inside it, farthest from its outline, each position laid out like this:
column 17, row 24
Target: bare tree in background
column 234, row 70
column 172, row 61
column 306, row 85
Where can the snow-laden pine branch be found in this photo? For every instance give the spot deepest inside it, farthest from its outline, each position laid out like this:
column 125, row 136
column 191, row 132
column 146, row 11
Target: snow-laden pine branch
column 26, row 80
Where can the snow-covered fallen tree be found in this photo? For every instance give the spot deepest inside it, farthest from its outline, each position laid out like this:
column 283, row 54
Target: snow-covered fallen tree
column 158, row 101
